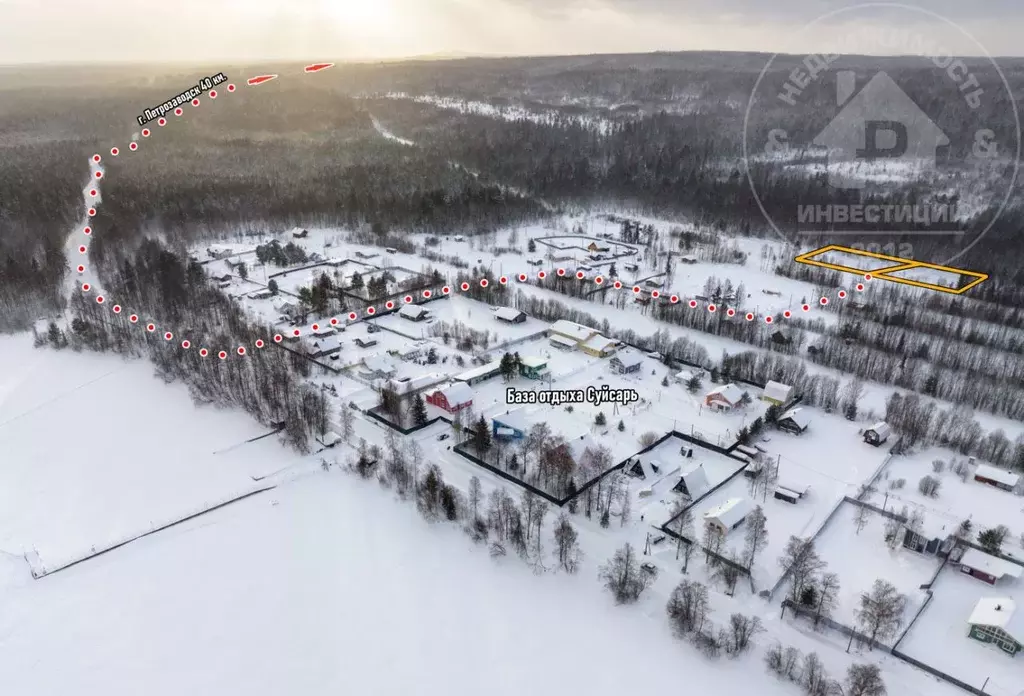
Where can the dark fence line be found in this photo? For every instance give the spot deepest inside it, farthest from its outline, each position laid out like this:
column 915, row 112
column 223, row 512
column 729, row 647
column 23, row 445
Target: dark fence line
column 331, row 368
column 927, row 587
column 161, row 528
column 460, row 449
column 372, row 413
column 707, row 445
column 938, row 673
column 835, row 625
column 891, row 514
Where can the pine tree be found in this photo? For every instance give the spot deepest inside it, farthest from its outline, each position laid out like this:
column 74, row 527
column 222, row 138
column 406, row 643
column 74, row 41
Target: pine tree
column 272, row 287
column 622, row 427
column 600, row 419
column 531, row 246
column 419, row 410
column 481, row 437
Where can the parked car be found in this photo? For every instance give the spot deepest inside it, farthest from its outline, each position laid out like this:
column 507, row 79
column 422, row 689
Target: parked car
column 443, row 436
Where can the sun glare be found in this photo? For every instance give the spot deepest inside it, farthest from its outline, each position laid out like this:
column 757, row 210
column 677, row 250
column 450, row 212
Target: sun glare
column 370, row 15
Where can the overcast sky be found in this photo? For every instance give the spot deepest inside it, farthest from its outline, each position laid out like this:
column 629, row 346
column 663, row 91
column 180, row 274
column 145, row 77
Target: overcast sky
column 34, row 31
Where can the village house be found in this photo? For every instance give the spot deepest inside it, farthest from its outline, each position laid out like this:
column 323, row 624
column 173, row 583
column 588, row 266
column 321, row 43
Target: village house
column 479, row 374
column 626, row 362
column 724, row 398
column 409, row 385
column 261, row 294
column 996, row 477
column 877, row 433
column 571, row 331
column 378, row 367
column 299, row 233
column 452, row 397
column 327, row 346
column 413, row 312
column 510, row 426
column 365, row 342
column 727, row 516
column 795, row 420
column 688, row 259
column 599, row 346
column 648, row 469
column 777, row 393
column 329, row 439
column 929, row 534
column 790, row 490
column 533, row 367
column 996, row 620
column 987, row 568
column 509, row 315
column 693, row 483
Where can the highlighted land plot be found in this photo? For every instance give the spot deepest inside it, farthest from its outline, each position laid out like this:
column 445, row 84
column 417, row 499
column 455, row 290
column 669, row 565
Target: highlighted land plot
column 921, row 274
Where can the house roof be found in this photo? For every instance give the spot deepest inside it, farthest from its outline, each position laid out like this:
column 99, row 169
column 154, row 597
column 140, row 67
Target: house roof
column 729, row 392
column 778, row 391
column 729, row 513
column 377, row 363
column 791, row 483
column 507, row 313
column 479, row 371
column 457, row 393
column 412, row 311
column 325, row 344
column 979, row 560
column 990, row 472
column 573, row 330
column 513, row 419
column 881, row 428
column 330, row 438
column 696, row 480
column 532, row 361
column 685, row 375
column 1001, row 612
column 563, row 341
column 600, row 343
column 629, row 358
column 406, row 385
column 799, row 416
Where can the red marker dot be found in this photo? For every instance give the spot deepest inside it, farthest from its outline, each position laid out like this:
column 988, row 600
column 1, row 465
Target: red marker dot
column 231, row 88
column 503, row 280
column 426, row 294
column 767, row 320
column 168, row 336
column 579, row 275
column 806, row 308
column 842, row 294
column 213, row 94
column 133, row 318
column 203, row 352
column 186, row 344
column 561, row 272
column 407, row 299
column 114, row 151
column 465, row 287
column 241, row 350
column 598, row 280
column 542, row 275
column 483, row 282
column 731, row 312
column 693, row 304
column 85, row 287
column 96, row 158
column 133, row 146
column 860, row 287
column 636, row 289
column 99, row 175
column 750, row 316
column 223, row 354
column 371, row 310
column 150, row 327
column 278, row 338
column 81, row 269
column 99, row 299
column 94, row 193
column 259, row 343
column 352, row 316
column 711, row 308
column 867, row 276
column 195, row 102
column 316, row 327
column 296, row 332
column 674, row 299
column 522, row 277
column 334, row 321
column 618, row 284
column 81, row 250
column 787, row 314
column 655, row 294
column 178, row 111
column 145, row 132
column 87, row 230
column 116, row 308
column 92, row 212
column 391, row 305
column 823, row 301
column 162, row 121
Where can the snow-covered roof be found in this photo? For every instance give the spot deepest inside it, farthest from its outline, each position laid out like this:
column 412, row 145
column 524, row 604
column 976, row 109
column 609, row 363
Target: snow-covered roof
column 749, row 451
column 881, row 428
column 979, row 560
column 411, row 384
column 1001, row 612
column 793, row 484
column 729, row 392
column 377, row 363
column 563, row 341
column 728, row 513
column 330, row 438
column 798, row 415
column 479, row 371
column 573, row 330
column 296, row 230
column 457, row 393
column 629, row 358
column 696, row 480
column 685, row 375
column 325, row 331
column 325, row 344
column 412, row 311
column 600, row 343
column 507, row 313
column 994, row 474
column 934, row 525
column 778, row 391
column 513, row 419
column 505, row 432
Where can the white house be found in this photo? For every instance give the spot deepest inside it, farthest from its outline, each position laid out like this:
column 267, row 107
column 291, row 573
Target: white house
column 877, row 433
column 777, row 393
column 728, row 516
column 693, row 483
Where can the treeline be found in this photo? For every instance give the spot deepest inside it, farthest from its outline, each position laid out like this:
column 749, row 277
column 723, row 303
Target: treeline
column 158, row 287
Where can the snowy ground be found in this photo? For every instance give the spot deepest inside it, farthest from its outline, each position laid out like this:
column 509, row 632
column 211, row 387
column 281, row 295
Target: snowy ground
column 939, row 637
column 844, row 549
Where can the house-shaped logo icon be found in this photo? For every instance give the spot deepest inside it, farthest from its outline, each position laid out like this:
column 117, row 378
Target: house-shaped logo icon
column 879, row 123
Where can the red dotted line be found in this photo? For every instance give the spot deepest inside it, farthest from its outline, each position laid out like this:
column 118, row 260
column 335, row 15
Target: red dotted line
column 185, row 344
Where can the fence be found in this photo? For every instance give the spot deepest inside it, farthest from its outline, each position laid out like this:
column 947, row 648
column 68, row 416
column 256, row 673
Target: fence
column 372, row 413
column 835, row 625
column 938, row 673
column 460, row 449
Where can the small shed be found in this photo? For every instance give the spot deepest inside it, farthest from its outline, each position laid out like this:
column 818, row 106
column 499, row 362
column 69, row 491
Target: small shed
column 329, row 439
column 786, row 495
column 365, row 342
column 988, row 568
column 777, row 393
column 728, row 516
column 533, row 368
column 877, row 433
column 627, row 362
column 413, row 312
column 509, row 315
column 795, row 420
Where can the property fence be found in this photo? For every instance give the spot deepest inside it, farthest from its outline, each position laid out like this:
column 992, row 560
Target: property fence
column 835, row 625
column 938, row 673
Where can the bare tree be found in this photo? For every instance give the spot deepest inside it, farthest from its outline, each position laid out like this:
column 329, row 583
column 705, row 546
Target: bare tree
column 861, row 517
column 475, row 497
column 626, row 504
column 713, row 540
column 623, row 576
column 742, row 630
column 728, row 571
column 688, row 607
column 756, row 536
column 347, row 423
column 864, row 680
column 812, row 674
column 880, row 614
column 648, row 439
column 892, row 527
column 828, row 596
column 567, row 547
column 801, row 560
column 929, row 485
